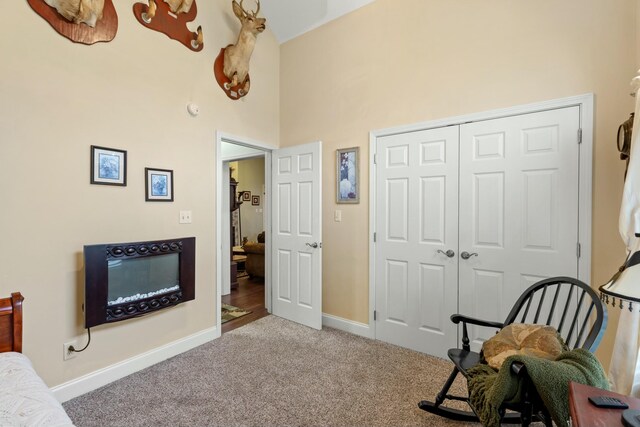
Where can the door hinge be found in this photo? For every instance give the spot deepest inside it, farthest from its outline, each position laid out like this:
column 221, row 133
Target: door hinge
column 375, row 315
column 578, row 250
column 375, row 159
column 580, row 136
column 375, row 237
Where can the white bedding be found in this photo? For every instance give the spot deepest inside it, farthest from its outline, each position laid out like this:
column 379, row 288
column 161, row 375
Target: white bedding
column 25, row 400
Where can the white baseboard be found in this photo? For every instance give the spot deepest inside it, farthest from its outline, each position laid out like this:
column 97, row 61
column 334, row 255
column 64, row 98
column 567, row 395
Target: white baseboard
column 346, row 325
column 104, row 376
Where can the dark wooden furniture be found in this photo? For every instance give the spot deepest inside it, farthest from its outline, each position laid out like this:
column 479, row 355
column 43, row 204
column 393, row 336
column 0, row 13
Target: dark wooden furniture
column 550, row 302
column 234, row 275
column 584, row 414
column 11, row 323
column 234, row 203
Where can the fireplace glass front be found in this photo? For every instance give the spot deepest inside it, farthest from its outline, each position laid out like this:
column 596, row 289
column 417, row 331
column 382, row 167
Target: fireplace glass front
column 134, row 279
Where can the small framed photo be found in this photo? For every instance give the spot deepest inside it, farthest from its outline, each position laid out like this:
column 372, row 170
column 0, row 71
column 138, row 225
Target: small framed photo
column 108, row 166
column 255, row 200
column 348, row 186
column 246, row 196
column 158, row 185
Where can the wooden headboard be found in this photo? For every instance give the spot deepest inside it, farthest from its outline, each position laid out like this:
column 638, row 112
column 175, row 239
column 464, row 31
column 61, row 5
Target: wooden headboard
column 11, row 323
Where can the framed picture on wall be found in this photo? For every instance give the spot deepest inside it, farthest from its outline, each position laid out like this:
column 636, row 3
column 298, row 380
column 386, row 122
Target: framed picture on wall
column 347, row 188
column 255, row 200
column 158, row 185
column 108, row 166
column 246, row 196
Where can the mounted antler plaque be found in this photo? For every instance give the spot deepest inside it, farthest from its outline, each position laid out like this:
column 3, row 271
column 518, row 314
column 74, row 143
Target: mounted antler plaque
column 231, row 67
column 81, row 21
column 170, row 17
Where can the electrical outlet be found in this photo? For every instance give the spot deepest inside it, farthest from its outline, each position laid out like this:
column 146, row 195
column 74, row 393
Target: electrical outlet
column 66, row 355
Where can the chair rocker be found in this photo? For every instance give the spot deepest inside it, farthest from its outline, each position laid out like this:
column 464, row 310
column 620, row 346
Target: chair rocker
column 568, row 305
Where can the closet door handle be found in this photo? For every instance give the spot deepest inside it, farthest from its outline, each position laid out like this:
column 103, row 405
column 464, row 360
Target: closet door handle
column 449, row 253
column 467, row 255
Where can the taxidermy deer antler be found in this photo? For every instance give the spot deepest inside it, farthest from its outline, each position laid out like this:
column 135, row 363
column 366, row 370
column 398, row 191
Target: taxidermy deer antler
column 236, row 57
column 79, row 11
column 179, row 6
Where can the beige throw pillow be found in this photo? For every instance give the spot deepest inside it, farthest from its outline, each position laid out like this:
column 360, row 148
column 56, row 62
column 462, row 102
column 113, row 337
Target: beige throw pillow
column 516, row 338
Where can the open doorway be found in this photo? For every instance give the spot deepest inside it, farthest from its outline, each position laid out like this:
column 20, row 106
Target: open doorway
column 245, row 300
column 243, row 226
column 292, row 215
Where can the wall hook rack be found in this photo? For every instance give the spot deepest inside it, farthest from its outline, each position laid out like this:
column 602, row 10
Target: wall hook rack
column 158, row 16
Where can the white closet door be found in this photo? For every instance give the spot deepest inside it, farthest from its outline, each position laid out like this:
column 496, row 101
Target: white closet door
column 416, row 223
column 518, row 209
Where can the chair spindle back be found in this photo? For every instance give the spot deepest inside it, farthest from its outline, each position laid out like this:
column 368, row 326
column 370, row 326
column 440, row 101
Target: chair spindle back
column 568, row 305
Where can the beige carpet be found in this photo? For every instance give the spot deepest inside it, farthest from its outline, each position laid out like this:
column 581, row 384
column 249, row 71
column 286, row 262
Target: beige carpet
column 273, row 372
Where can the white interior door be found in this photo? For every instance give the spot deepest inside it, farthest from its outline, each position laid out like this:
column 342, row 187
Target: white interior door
column 518, row 209
column 296, row 234
column 417, row 224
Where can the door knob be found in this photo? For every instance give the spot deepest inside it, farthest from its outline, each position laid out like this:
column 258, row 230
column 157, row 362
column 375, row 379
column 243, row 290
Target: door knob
column 467, row 255
column 314, row 245
column 449, row 253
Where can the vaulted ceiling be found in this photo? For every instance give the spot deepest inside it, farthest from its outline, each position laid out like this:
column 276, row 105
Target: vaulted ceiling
column 291, row 18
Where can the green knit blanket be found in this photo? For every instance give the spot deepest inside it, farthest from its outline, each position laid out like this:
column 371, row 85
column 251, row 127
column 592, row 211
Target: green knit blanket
column 488, row 389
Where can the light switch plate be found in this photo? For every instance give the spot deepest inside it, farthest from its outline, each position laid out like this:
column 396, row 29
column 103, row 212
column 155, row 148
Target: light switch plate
column 337, row 216
column 185, row 217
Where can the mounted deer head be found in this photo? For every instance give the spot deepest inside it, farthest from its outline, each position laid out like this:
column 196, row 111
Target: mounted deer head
column 236, row 57
column 79, row 11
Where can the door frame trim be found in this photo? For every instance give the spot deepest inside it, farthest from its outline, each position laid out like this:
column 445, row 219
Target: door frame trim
column 220, row 242
column 585, row 196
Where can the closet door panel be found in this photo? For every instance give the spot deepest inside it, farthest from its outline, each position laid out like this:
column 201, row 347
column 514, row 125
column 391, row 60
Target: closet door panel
column 518, row 207
column 416, row 223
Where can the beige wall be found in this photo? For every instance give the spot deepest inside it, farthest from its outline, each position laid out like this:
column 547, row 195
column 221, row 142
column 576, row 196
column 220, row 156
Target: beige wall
column 251, row 178
column 393, row 63
column 57, row 99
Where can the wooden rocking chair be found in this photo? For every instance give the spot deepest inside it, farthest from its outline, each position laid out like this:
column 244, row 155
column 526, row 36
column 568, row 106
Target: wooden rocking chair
column 567, row 304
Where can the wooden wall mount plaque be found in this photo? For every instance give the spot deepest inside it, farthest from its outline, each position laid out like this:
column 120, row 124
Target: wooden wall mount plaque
column 173, row 26
column 104, row 31
column 234, row 92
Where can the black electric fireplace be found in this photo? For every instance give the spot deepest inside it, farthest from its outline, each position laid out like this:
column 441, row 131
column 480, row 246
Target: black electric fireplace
column 125, row 280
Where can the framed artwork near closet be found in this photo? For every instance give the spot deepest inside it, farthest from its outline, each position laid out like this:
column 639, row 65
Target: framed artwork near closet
column 347, row 188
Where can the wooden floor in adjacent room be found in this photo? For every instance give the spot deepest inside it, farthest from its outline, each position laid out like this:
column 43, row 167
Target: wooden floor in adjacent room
column 249, row 296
